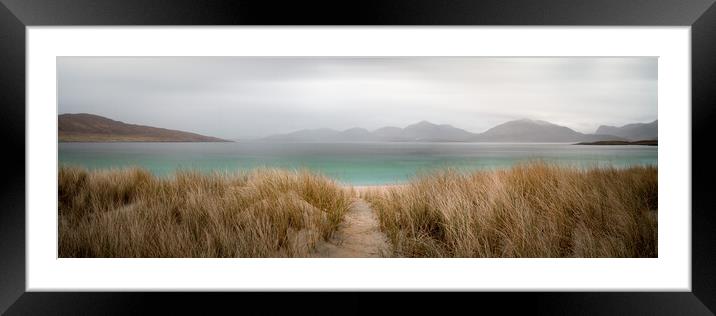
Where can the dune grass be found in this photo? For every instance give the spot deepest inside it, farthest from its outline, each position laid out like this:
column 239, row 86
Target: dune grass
column 131, row 213
column 531, row 210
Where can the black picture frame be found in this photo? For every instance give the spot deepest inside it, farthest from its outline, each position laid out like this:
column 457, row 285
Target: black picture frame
column 15, row 15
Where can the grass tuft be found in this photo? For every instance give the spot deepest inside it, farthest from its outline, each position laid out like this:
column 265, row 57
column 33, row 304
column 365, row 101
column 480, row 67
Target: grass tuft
column 531, row 210
column 131, row 213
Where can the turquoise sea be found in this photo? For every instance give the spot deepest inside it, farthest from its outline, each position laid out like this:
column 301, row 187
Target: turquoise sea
column 351, row 163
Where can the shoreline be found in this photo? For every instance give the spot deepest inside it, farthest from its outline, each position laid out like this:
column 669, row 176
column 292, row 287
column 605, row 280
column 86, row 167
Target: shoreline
column 621, row 143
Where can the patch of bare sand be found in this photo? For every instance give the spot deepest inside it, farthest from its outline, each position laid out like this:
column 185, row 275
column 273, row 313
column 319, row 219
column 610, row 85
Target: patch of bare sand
column 358, row 236
column 363, row 189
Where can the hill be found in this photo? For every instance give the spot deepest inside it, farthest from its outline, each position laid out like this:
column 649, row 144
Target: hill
column 426, row 131
column 635, row 131
column 85, row 127
column 536, row 131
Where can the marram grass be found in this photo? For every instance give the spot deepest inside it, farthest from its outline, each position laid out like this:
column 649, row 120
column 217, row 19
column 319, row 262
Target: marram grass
column 131, row 213
column 531, row 210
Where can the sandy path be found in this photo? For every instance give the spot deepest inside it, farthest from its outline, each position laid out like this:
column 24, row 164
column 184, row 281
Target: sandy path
column 358, row 236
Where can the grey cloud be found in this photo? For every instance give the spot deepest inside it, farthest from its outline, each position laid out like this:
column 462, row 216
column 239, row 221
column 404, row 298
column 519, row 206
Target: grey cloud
column 246, row 97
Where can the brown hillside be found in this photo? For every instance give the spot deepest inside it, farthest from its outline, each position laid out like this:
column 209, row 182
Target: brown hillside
column 94, row 128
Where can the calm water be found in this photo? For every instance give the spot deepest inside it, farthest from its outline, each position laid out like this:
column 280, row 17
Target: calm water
column 354, row 163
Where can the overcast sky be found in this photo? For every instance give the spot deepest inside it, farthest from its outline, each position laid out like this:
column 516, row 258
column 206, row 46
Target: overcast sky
column 248, row 97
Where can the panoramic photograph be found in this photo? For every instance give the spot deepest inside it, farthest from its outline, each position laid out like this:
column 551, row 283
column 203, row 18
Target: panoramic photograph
column 357, row 157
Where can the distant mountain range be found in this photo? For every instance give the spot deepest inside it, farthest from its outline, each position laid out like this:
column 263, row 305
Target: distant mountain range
column 423, row 131
column 85, row 127
column 637, row 131
column 513, row 131
column 94, row 128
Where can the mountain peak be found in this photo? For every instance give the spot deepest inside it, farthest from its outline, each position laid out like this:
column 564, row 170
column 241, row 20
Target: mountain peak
column 538, row 122
column 634, row 131
column 423, row 123
column 528, row 130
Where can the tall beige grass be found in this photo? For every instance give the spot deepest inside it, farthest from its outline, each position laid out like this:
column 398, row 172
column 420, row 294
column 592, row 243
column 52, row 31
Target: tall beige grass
column 531, row 210
column 130, row 213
